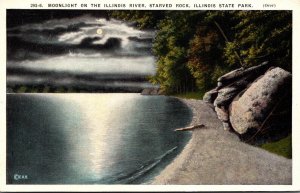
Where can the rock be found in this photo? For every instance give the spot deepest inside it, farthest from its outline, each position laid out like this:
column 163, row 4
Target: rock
column 226, row 126
column 151, row 91
column 254, row 71
column 145, row 91
column 249, row 109
column 226, row 94
column 210, row 96
column 161, row 92
column 222, row 113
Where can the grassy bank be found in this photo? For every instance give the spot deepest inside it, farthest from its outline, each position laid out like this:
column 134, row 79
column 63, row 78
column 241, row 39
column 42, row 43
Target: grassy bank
column 191, row 95
column 282, row 147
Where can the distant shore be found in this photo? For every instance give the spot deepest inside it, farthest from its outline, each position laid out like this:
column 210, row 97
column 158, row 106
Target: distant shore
column 214, row 156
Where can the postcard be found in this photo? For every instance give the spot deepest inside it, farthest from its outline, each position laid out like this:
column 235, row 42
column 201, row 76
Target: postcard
column 149, row 96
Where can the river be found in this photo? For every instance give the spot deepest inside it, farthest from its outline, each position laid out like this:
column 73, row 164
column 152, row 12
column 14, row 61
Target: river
column 92, row 138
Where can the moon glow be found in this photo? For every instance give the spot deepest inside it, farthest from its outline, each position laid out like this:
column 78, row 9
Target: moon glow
column 99, row 31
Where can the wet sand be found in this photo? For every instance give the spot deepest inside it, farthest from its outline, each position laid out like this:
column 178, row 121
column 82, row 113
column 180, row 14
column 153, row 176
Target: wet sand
column 214, row 157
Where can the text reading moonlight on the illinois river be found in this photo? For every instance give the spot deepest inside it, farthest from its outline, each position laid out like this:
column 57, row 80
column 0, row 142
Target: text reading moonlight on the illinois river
column 141, row 5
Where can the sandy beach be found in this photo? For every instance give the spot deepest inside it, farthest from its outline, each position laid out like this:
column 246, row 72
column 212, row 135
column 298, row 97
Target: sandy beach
column 214, row 157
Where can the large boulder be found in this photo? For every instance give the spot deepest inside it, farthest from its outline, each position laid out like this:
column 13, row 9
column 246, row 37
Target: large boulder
column 241, row 72
column 226, row 94
column 151, row 91
column 222, row 113
column 250, row 109
column 226, row 126
column 210, row 96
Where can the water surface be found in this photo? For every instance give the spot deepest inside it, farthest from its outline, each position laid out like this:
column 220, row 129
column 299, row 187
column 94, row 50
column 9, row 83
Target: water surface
column 92, row 138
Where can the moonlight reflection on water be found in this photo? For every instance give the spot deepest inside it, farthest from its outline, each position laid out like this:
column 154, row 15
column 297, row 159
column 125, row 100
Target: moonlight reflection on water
column 92, row 138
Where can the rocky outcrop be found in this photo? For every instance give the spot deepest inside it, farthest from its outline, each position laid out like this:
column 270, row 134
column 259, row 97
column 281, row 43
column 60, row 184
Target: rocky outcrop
column 222, row 114
column 249, row 110
column 241, row 72
column 244, row 98
column 210, row 96
column 227, row 93
column 151, row 91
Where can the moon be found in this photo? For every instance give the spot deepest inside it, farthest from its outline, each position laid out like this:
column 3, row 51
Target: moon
column 99, row 31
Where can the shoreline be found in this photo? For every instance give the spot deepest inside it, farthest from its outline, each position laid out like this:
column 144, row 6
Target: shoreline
column 213, row 157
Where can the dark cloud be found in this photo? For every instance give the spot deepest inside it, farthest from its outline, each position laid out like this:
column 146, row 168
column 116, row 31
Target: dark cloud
column 16, row 17
column 140, row 39
column 16, row 45
column 70, row 35
column 79, row 76
column 55, row 31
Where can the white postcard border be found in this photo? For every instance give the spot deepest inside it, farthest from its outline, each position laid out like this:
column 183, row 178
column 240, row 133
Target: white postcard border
column 293, row 5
